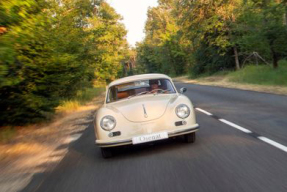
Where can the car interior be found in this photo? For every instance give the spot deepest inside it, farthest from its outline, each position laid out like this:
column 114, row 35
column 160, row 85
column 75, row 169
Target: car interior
column 129, row 89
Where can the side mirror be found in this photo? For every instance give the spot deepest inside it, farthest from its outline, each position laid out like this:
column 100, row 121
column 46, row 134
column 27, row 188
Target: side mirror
column 182, row 90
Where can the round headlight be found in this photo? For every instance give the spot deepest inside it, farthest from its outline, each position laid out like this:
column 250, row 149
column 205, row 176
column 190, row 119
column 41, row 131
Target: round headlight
column 182, row 111
column 108, row 123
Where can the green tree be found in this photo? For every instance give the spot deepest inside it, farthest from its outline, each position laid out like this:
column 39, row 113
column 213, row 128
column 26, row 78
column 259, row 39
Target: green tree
column 163, row 49
column 263, row 29
column 52, row 49
column 207, row 36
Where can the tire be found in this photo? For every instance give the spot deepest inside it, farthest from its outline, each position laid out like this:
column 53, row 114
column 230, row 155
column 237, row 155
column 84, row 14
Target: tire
column 189, row 138
column 106, row 152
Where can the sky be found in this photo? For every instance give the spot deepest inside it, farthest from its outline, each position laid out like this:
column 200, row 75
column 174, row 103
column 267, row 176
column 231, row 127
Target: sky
column 134, row 13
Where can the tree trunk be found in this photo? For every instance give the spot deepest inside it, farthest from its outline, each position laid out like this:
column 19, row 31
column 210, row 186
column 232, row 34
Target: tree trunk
column 236, row 58
column 131, row 68
column 275, row 59
column 124, row 69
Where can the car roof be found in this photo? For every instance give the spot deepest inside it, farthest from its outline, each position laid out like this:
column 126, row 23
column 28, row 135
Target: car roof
column 139, row 77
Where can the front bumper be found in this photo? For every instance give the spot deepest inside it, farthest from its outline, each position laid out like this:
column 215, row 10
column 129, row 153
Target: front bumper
column 171, row 133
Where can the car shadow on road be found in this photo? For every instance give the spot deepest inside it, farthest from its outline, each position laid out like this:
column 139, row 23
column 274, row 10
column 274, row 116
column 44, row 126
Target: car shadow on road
column 148, row 148
column 84, row 151
column 86, row 147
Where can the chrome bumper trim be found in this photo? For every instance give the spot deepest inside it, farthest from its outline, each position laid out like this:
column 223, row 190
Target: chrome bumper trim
column 182, row 132
column 129, row 141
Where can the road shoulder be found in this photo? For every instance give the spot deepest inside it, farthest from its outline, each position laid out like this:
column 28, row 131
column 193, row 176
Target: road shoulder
column 223, row 82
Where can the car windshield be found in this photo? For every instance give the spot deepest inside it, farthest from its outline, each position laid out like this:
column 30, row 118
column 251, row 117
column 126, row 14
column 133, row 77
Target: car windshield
column 136, row 88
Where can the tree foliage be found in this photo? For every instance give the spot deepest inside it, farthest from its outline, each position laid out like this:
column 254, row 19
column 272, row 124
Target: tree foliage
column 163, row 49
column 207, row 36
column 51, row 49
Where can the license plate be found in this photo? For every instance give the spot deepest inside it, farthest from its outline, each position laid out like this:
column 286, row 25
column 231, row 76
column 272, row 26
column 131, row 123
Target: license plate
column 150, row 137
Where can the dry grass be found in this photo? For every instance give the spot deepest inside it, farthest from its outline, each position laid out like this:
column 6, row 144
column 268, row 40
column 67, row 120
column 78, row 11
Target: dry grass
column 67, row 106
column 35, row 148
column 27, row 136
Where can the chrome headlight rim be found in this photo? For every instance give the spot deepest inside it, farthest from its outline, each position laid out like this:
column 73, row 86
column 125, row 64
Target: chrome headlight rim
column 178, row 107
column 108, row 117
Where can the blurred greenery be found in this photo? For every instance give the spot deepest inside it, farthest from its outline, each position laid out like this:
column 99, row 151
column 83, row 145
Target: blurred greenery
column 53, row 50
column 7, row 133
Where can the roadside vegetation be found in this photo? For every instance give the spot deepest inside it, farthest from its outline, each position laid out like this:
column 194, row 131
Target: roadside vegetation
column 261, row 75
column 82, row 97
column 6, row 134
column 203, row 38
column 251, row 74
column 73, row 104
column 52, row 52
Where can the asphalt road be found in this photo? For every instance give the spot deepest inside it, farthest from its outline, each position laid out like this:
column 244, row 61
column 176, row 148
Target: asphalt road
column 222, row 158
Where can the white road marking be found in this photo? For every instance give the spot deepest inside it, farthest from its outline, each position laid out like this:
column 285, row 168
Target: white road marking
column 235, row 126
column 203, row 111
column 274, row 143
column 265, row 139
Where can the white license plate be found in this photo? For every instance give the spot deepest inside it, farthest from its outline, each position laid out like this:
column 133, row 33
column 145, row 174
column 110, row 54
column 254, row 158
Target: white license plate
column 150, row 137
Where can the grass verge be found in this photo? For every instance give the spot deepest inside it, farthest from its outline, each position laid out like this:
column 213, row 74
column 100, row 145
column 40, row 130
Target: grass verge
column 260, row 75
column 260, row 78
column 264, row 75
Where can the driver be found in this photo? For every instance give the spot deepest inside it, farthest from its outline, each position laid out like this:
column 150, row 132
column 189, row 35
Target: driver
column 154, row 86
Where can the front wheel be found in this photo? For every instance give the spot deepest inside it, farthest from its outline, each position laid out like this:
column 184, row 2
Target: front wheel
column 106, row 152
column 189, row 138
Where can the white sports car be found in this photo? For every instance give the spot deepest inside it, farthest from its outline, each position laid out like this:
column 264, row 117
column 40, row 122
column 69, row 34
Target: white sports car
column 143, row 108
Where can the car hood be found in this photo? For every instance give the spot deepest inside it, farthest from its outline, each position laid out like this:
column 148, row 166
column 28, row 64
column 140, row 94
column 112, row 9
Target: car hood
column 143, row 108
